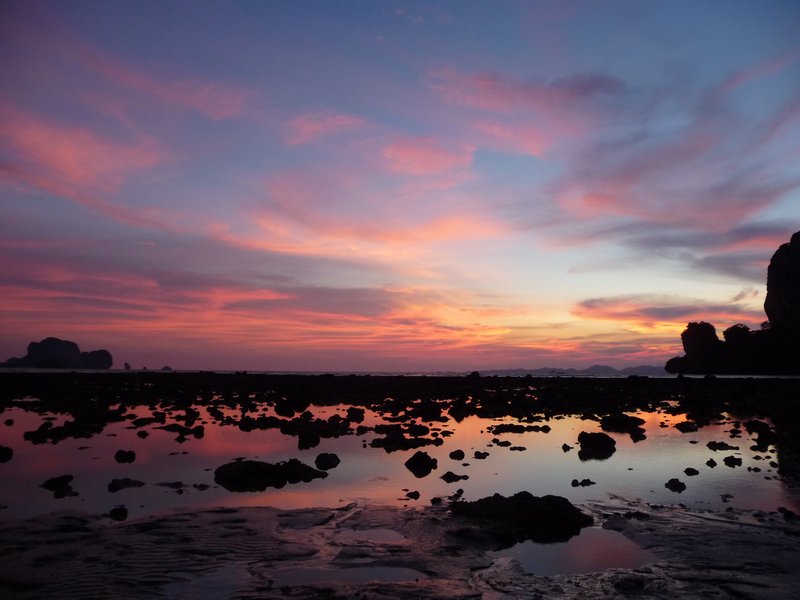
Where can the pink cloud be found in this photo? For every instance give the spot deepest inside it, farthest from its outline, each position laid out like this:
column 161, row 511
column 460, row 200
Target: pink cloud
column 313, row 126
column 515, row 138
column 425, row 155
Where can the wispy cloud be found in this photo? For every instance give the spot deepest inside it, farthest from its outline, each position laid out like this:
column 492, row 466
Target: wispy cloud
column 310, row 127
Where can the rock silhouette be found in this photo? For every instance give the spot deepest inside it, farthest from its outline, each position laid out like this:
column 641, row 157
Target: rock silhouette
column 54, row 353
column 772, row 350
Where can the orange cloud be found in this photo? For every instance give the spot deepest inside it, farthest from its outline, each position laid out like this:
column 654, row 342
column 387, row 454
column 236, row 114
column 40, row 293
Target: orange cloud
column 313, row 126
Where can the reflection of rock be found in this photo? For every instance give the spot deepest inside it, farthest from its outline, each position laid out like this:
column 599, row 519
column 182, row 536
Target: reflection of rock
column 503, row 521
column 421, row 464
column 53, row 353
column 256, row 476
column 595, row 446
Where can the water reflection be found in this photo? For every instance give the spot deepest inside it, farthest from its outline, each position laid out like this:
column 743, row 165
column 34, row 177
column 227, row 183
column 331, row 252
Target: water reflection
column 593, row 550
column 178, row 470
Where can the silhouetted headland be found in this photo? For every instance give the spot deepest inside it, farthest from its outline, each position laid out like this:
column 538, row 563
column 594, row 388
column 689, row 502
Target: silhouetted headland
column 54, row 353
column 772, row 350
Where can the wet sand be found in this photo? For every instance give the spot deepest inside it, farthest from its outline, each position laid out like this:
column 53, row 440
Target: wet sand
column 268, row 553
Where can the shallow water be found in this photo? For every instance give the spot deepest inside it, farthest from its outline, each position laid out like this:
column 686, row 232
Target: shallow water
column 595, row 549
column 181, row 474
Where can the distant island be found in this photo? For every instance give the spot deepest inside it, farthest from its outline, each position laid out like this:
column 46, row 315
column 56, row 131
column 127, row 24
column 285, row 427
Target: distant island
column 772, row 350
column 54, row 353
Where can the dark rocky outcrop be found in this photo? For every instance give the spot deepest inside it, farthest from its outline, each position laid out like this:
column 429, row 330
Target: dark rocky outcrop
column 622, row 423
column 54, row 353
column 595, row 446
column 503, row 521
column 256, row 476
column 772, row 350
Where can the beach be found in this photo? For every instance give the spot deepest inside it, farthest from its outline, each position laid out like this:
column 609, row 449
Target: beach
column 347, row 532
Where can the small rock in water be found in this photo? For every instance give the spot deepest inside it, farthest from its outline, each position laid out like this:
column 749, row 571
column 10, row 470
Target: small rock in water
column 566, row 447
column 582, row 483
column 451, row 477
column 125, row 456
column 327, row 461
column 675, row 485
column 421, row 464
column 691, row 471
column 414, row 495
column 6, row 454
column 121, row 484
column 595, row 446
column 118, row 513
column 732, row 461
column 61, row 486
column 457, row 455
column 480, row 455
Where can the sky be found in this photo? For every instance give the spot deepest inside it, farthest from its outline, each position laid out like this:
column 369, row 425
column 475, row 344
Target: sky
column 392, row 186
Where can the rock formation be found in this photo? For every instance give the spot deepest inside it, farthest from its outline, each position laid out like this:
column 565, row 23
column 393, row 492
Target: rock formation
column 772, row 350
column 53, row 353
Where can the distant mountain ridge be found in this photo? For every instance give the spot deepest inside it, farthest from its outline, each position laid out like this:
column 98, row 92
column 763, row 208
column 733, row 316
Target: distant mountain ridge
column 594, row 370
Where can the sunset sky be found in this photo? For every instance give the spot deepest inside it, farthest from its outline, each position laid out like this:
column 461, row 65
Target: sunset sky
column 392, row 186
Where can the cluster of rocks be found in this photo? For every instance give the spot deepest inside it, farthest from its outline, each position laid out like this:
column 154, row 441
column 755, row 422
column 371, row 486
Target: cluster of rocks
column 772, row 350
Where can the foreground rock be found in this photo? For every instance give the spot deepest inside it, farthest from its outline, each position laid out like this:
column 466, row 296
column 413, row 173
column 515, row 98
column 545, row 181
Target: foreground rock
column 54, row 353
column 256, row 476
column 421, row 464
column 595, row 446
column 499, row 522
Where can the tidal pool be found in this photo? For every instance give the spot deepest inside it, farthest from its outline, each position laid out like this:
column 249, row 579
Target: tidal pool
column 182, row 474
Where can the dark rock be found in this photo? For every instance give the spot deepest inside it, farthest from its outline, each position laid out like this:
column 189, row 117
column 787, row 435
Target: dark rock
column 307, row 439
column 125, row 456
column 61, row 486
column 686, row 426
column 782, row 303
column 457, row 455
column 732, row 461
column 327, row 461
column 54, row 353
column 711, row 463
column 675, row 485
column 691, row 472
column 6, row 454
column 502, row 522
column 622, row 423
column 421, row 464
column 595, row 446
column 566, row 447
column 256, row 476
column 124, row 483
column 118, row 513
column 789, row 515
column 480, row 455
column 582, row 483
column 355, row 415
column 414, row 495
column 451, row 477
column 715, row 446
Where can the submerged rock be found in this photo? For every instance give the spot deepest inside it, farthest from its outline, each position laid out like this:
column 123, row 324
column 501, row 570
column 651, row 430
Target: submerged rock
column 503, row 521
column 595, row 446
column 124, row 483
column 256, row 476
column 421, row 464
